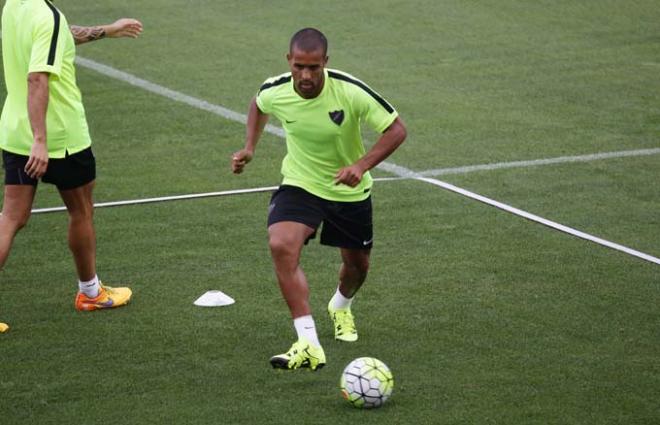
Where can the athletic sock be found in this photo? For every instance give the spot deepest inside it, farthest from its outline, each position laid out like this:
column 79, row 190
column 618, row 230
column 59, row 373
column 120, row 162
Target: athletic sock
column 90, row 288
column 306, row 328
column 340, row 302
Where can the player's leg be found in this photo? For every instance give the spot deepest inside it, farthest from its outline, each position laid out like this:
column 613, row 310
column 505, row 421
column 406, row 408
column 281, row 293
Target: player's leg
column 350, row 228
column 353, row 271
column 16, row 208
column 286, row 239
column 74, row 177
column 81, row 235
column 352, row 274
column 18, row 197
column 292, row 220
column 17, row 202
column 92, row 295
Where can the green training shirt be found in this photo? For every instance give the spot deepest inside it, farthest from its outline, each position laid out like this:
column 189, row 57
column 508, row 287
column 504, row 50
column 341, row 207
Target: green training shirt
column 36, row 38
column 323, row 133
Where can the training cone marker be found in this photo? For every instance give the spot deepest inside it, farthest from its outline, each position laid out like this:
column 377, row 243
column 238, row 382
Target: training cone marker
column 3, row 327
column 214, row 299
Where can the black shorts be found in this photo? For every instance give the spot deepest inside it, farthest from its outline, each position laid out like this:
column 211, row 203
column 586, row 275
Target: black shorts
column 66, row 173
column 345, row 224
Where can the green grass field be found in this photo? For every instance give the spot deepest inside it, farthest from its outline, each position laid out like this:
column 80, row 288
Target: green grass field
column 483, row 317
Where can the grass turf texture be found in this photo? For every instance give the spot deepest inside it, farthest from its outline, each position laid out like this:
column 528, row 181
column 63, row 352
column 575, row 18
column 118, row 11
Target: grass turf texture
column 482, row 317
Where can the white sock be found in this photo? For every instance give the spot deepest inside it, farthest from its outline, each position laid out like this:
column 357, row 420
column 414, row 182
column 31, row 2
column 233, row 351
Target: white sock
column 340, row 302
column 90, row 288
column 305, row 327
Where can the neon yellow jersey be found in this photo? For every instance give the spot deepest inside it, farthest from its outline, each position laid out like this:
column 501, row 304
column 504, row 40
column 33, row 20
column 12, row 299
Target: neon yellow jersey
column 36, row 38
column 323, row 133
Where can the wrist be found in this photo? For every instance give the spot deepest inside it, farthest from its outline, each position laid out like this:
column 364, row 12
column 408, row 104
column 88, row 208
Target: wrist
column 249, row 148
column 364, row 165
column 107, row 31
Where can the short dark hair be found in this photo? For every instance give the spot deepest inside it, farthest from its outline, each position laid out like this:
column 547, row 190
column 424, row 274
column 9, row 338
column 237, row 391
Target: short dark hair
column 309, row 40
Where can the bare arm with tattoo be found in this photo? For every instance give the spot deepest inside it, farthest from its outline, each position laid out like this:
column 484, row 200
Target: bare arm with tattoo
column 121, row 28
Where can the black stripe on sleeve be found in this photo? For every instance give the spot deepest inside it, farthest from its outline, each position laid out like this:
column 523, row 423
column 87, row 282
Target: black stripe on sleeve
column 56, row 32
column 364, row 87
column 277, row 82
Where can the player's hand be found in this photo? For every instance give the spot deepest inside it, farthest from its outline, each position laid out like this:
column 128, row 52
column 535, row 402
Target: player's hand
column 38, row 160
column 350, row 176
column 125, row 27
column 239, row 160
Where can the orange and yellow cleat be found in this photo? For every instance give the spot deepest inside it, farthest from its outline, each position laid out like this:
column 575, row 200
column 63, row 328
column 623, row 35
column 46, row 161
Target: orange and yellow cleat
column 107, row 298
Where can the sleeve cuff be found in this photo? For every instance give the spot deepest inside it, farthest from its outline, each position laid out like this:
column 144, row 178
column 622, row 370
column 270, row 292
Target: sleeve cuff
column 388, row 122
column 55, row 71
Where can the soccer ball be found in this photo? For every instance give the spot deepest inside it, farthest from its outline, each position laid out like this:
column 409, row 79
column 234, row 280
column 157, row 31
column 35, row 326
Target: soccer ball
column 366, row 382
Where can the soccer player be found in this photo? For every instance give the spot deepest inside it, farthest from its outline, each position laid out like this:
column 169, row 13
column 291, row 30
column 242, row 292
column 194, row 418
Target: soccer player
column 326, row 180
column 44, row 134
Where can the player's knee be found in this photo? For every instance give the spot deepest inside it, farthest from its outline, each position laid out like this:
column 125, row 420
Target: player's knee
column 280, row 245
column 82, row 215
column 359, row 266
column 16, row 221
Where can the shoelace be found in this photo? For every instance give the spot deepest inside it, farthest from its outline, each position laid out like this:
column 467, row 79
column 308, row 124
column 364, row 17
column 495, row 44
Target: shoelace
column 344, row 321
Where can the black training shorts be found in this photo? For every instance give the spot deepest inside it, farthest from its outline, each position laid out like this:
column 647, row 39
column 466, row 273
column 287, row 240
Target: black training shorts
column 66, row 173
column 345, row 224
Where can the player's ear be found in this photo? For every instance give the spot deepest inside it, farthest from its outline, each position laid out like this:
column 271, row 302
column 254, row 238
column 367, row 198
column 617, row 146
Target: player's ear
column 288, row 57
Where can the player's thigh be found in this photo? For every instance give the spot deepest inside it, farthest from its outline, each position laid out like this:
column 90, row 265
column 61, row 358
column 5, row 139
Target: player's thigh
column 293, row 217
column 79, row 201
column 288, row 237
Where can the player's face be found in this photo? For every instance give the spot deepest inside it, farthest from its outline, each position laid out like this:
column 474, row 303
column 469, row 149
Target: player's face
column 307, row 71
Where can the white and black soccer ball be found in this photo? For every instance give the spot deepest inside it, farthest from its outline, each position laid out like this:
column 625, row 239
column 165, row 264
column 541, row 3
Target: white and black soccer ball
column 366, row 383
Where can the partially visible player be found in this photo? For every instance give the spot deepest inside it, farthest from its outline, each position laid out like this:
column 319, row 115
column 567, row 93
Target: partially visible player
column 326, row 180
column 44, row 134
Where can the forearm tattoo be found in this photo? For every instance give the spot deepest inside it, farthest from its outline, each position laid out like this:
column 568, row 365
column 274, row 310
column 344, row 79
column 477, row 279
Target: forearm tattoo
column 85, row 34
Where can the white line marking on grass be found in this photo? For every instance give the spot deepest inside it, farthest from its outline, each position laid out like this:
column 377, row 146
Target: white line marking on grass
column 541, row 220
column 393, row 168
column 170, row 94
column 537, row 162
column 163, row 199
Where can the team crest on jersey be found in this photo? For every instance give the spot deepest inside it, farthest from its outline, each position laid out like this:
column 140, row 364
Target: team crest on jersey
column 337, row 117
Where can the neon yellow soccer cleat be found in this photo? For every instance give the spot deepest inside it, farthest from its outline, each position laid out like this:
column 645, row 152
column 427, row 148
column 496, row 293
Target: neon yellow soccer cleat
column 3, row 327
column 107, row 298
column 302, row 354
column 344, row 324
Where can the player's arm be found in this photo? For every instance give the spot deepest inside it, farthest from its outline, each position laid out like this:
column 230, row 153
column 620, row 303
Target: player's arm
column 256, row 121
column 37, row 109
column 388, row 142
column 122, row 28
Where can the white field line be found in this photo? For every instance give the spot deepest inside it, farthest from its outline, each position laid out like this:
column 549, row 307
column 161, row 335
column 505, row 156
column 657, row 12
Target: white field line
column 537, row 162
column 393, row 168
column 540, row 220
column 163, row 199
column 170, row 94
